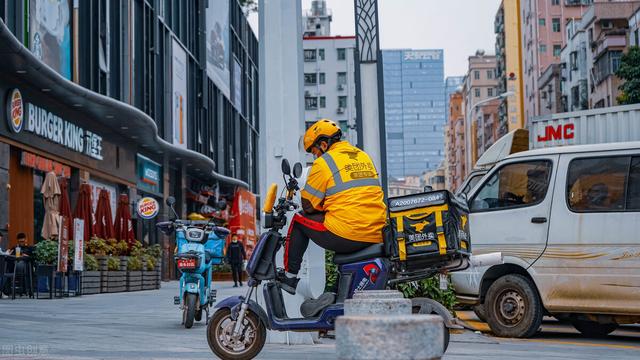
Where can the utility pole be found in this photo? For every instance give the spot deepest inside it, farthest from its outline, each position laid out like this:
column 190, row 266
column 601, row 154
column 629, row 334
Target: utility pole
column 369, row 85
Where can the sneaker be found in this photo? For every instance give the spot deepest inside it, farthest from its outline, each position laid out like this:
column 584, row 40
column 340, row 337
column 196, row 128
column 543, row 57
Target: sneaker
column 288, row 284
column 240, row 284
column 235, row 285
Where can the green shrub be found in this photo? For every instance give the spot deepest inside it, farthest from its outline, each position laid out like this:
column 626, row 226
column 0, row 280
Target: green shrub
column 154, row 251
column 120, row 248
column 429, row 288
column 98, row 247
column 222, row 268
column 113, row 264
column 134, row 263
column 90, row 263
column 149, row 263
column 46, row 252
column 331, row 272
column 136, row 249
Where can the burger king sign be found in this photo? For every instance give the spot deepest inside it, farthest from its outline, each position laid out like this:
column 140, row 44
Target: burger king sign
column 148, row 208
column 15, row 111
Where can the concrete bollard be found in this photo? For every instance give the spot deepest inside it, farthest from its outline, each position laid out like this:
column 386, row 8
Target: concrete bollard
column 381, row 307
column 360, row 337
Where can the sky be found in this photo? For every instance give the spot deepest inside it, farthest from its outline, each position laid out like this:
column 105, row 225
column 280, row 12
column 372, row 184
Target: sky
column 460, row 27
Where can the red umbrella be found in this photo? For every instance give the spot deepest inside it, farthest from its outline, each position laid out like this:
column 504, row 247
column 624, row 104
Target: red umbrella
column 65, row 206
column 83, row 210
column 104, row 222
column 123, row 225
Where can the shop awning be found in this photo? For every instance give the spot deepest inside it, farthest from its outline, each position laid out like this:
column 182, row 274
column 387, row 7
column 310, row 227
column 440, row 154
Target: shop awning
column 122, row 119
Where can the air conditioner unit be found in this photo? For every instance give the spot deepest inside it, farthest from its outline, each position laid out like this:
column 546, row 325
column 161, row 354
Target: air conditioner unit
column 340, row 110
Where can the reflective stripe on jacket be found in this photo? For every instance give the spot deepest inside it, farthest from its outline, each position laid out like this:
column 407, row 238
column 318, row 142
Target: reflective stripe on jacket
column 344, row 184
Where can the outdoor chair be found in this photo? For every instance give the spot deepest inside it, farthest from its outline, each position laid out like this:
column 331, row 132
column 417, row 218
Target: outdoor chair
column 6, row 278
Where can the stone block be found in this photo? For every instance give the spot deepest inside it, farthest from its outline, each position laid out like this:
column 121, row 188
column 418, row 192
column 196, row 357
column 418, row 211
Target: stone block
column 382, row 307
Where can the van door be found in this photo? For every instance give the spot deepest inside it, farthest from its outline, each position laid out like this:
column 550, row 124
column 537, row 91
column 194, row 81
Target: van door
column 592, row 262
column 510, row 209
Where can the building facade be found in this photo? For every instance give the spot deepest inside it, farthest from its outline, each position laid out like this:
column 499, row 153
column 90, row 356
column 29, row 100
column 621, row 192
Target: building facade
column 145, row 99
column 634, row 29
column 550, row 89
column 543, row 37
column 606, row 25
column 509, row 65
column 317, row 20
column 414, row 107
column 451, row 85
column 479, row 85
column 454, row 139
column 575, row 75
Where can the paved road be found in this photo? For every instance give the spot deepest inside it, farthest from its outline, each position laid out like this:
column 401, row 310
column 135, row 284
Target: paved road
column 146, row 325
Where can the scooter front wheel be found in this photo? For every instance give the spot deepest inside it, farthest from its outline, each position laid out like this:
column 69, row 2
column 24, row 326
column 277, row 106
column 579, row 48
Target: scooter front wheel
column 189, row 309
column 246, row 345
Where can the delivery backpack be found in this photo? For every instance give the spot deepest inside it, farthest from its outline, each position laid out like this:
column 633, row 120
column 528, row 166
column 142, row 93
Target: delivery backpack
column 429, row 229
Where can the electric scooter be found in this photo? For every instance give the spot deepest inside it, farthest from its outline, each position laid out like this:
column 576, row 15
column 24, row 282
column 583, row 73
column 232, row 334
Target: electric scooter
column 237, row 329
column 200, row 245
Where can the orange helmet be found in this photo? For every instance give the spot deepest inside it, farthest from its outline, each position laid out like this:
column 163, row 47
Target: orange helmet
column 323, row 128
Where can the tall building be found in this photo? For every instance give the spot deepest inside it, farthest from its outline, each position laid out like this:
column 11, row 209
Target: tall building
column 138, row 98
column 543, row 37
column 329, row 73
column 451, row 85
column 575, row 90
column 455, row 158
column 480, row 84
column 509, row 66
column 414, row 107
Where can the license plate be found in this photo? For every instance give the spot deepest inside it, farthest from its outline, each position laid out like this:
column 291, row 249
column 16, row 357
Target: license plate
column 186, row 263
column 444, row 282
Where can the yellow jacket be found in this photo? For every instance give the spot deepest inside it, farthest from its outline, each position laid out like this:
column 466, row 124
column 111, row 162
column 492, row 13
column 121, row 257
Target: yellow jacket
column 344, row 184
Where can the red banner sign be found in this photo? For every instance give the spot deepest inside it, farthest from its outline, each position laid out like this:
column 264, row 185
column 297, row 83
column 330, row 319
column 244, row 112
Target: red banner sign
column 45, row 165
column 63, row 245
column 243, row 218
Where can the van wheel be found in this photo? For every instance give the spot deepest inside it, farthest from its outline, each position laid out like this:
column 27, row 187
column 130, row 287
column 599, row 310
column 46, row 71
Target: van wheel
column 593, row 329
column 513, row 307
column 480, row 312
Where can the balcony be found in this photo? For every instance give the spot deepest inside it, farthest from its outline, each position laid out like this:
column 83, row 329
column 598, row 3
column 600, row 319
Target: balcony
column 577, row 2
column 610, row 41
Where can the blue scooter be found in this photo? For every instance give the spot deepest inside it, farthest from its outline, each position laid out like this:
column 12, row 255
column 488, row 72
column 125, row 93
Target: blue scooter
column 237, row 329
column 200, row 245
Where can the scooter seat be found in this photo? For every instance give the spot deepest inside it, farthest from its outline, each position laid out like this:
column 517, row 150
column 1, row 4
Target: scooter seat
column 312, row 307
column 373, row 251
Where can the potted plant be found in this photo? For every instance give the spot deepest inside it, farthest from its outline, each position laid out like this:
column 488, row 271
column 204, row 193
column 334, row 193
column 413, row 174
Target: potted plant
column 90, row 276
column 222, row 272
column 134, row 274
column 46, row 256
column 114, row 279
column 121, row 250
column 149, row 275
column 100, row 249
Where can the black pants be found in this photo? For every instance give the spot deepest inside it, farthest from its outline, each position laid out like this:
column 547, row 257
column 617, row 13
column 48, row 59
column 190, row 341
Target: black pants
column 236, row 272
column 304, row 227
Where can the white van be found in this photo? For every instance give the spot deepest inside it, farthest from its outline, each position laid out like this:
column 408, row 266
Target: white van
column 567, row 221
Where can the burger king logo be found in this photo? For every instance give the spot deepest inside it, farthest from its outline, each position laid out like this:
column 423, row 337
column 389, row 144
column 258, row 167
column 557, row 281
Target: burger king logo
column 15, row 109
column 148, row 208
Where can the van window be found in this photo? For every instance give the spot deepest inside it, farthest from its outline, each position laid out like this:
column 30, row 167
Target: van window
column 472, row 183
column 597, row 184
column 514, row 185
column 633, row 192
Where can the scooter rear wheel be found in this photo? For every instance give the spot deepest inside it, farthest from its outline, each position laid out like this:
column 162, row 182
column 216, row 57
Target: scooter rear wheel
column 189, row 309
column 248, row 344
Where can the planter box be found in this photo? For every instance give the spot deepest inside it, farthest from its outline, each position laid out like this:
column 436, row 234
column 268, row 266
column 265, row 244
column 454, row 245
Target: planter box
column 45, row 275
column 150, row 280
column 134, row 280
column 102, row 262
column 91, row 282
column 123, row 262
column 114, row 281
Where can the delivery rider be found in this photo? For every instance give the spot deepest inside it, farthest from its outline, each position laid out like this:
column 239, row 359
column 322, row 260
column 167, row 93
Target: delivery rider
column 342, row 201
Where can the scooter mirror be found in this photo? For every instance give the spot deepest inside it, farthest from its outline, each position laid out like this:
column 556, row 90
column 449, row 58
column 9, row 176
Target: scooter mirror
column 222, row 204
column 286, row 168
column 171, row 201
column 297, row 170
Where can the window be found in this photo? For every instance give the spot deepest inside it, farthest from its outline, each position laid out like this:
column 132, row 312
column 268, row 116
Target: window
column 472, row 182
column 308, row 124
column 477, row 92
column 633, row 190
column 514, row 185
column 322, row 78
column 342, row 54
column 311, row 103
column 321, row 54
column 557, row 49
column 342, row 78
column 597, row 184
column 344, row 126
column 310, row 78
column 476, row 75
column 555, row 24
column 342, row 101
column 323, row 102
column 555, row 2
column 489, row 74
column 490, row 92
column 309, row 55
column 542, row 22
column 543, row 48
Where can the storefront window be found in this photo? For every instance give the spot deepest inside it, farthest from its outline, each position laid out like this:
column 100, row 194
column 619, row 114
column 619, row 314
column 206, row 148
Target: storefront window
column 38, row 206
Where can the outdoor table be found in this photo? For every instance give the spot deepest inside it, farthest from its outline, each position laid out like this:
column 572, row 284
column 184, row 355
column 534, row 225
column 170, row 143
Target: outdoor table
column 27, row 273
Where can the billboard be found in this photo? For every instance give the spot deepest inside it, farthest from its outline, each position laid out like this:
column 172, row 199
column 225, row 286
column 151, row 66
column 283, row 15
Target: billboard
column 243, row 218
column 218, row 46
column 50, row 33
column 179, row 95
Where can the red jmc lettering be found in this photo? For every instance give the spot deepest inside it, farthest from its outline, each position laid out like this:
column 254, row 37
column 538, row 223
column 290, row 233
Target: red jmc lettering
column 559, row 132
